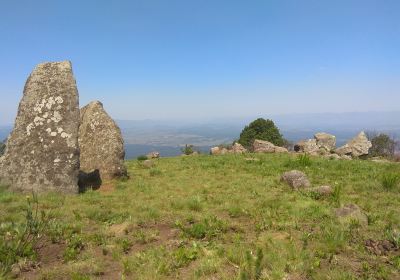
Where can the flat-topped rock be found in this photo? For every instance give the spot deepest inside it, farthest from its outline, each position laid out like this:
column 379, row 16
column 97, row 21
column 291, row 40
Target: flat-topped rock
column 42, row 151
column 101, row 143
column 261, row 146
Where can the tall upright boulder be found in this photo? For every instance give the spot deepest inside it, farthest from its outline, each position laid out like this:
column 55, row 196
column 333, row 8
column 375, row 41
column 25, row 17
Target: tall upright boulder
column 101, row 143
column 42, row 151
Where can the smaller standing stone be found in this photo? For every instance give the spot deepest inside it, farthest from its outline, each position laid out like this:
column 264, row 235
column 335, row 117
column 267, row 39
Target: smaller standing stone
column 101, row 143
column 296, row 179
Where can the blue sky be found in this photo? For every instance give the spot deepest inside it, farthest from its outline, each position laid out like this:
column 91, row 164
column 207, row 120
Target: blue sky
column 156, row 59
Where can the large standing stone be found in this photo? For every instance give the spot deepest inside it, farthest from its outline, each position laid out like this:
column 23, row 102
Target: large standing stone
column 100, row 143
column 358, row 146
column 42, row 151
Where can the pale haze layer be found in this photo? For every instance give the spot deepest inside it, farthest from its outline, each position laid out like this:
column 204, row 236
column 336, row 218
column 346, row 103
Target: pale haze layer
column 208, row 59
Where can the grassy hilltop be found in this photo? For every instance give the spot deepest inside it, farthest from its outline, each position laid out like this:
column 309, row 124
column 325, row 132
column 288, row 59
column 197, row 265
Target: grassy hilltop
column 205, row 217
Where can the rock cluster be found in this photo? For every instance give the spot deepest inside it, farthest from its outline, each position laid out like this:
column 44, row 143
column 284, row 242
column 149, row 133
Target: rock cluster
column 261, row 146
column 325, row 144
column 43, row 152
column 234, row 149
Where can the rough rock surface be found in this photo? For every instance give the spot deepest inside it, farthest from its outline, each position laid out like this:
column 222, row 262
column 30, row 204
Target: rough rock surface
column 351, row 212
column 308, row 146
column 325, row 141
column 42, row 151
column 358, row 146
column 235, row 149
column 261, row 146
column 296, row 179
column 238, row 149
column 100, row 142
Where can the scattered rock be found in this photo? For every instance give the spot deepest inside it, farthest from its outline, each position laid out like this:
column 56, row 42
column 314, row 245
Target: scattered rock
column 358, row 146
column 234, row 149
column 307, row 146
column 323, row 190
column 153, row 155
column 148, row 163
column 325, row 141
column 261, row 146
column 351, row 212
column 296, row 179
column 238, row 149
column 215, row 151
column 380, row 247
column 42, row 151
column 101, row 143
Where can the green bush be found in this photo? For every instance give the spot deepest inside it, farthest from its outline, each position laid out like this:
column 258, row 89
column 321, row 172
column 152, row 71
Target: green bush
column 188, row 150
column 142, row 157
column 261, row 129
column 382, row 145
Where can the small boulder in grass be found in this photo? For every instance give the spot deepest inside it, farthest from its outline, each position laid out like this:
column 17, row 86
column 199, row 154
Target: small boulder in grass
column 323, row 190
column 351, row 212
column 296, row 179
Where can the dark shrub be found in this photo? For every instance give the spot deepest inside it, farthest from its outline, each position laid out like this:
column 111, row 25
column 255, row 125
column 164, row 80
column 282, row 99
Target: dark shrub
column 261, row 129
column 382, row 145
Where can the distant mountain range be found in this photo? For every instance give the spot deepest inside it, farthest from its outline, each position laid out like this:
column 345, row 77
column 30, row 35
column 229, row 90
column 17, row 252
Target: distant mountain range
column 167, row 137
